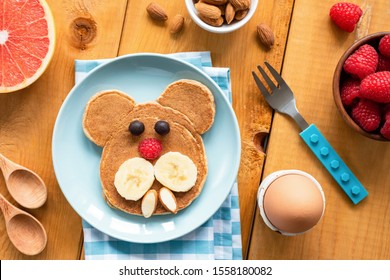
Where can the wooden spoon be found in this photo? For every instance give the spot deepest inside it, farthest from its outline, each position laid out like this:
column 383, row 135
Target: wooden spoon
column 25, row 186
column 25, row 231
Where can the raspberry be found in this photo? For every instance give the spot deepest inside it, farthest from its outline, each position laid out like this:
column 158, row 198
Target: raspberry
column 384, row 45
column 367, row 114
column 349, row 91
column 385, row 130
column 376, row 87
column 345, row 15
column 386, row 112
column 150, row 148
column 362, row 62
column 383, row 64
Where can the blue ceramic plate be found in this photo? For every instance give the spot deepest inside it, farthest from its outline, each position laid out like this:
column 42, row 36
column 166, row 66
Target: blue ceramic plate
column 76, row 159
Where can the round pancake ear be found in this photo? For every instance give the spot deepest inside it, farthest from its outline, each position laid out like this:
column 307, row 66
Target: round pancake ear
column 103, row 113
column 192, row 99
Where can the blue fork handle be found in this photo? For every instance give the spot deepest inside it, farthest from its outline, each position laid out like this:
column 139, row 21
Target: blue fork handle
column 333, row 163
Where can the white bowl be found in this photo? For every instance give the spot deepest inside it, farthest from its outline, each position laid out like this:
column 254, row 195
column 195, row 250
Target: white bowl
column 224, row 28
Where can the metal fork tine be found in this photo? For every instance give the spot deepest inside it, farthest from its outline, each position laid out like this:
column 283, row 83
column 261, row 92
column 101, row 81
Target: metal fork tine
column 280, row 97
column 275, row 73
column 260, row 85
column 270, row 83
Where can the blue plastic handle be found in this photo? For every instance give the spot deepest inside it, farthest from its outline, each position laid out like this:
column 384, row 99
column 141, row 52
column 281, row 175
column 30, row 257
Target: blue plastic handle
column 334, row 164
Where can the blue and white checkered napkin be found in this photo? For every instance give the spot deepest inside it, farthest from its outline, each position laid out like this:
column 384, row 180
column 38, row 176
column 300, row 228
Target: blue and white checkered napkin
column 217, row 239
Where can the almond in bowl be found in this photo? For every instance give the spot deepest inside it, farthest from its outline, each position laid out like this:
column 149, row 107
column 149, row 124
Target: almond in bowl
column 221, row 16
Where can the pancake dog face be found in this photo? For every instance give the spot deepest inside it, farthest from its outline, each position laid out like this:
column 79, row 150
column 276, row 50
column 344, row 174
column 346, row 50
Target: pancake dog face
column 153, row 159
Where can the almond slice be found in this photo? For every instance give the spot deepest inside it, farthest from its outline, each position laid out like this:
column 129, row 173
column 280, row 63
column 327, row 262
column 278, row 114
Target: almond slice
column 149, row 203
column 168, row 200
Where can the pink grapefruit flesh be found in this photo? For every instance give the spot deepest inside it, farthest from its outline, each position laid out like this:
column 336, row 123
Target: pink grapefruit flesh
column 26, row 42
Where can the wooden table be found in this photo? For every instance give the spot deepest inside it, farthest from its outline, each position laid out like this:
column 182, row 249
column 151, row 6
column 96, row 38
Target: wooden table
column 306, row 52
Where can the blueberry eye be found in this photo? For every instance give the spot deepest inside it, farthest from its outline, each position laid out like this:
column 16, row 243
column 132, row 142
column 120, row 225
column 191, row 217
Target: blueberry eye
column 162, row 127
column 136, row 128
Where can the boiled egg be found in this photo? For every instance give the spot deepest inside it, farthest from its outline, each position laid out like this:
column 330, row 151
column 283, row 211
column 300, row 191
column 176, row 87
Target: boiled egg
column 291, row 201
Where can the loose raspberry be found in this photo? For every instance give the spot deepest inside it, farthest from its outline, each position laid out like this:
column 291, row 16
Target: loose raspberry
column 345, row 15
column 383, row 64
column 376, row 87
column 384, row 45
column 349, row 91
column 150, row 148
column 362, row 62
column 367, row 114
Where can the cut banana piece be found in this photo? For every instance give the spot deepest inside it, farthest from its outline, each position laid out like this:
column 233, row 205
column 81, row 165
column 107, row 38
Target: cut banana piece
column 168, row 200
column 134, row 178
column 176, row 171
column 149, row 203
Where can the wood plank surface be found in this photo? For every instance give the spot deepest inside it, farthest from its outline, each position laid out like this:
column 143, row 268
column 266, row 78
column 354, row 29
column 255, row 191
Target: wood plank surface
column 346, row 231
column 93, row 29
column 241, row 52
column 85, row 29
column 306, row 52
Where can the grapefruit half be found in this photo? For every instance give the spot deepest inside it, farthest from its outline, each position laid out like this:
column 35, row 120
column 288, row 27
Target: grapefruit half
column 27, row 39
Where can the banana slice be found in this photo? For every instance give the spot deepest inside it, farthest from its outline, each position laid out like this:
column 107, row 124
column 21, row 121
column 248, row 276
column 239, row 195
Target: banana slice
column 149, row 203
column 176, row 171
column 134, row 178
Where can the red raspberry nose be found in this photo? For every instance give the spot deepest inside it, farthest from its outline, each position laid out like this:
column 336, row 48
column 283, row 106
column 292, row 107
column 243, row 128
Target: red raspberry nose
column 150, row 148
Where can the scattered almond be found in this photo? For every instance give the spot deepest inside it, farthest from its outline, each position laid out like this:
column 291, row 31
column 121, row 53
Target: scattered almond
column 240, row 4
column 177, row 24
column 266, row 35
column 229, row 13
column 149, row 203
column 168, row 200
column 156, row 12
column 208, row 11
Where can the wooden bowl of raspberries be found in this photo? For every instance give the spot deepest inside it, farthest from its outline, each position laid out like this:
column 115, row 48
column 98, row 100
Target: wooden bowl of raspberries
column 361, row 86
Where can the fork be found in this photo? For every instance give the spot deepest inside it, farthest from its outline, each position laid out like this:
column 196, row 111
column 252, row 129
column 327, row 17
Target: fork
column 281, row 99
